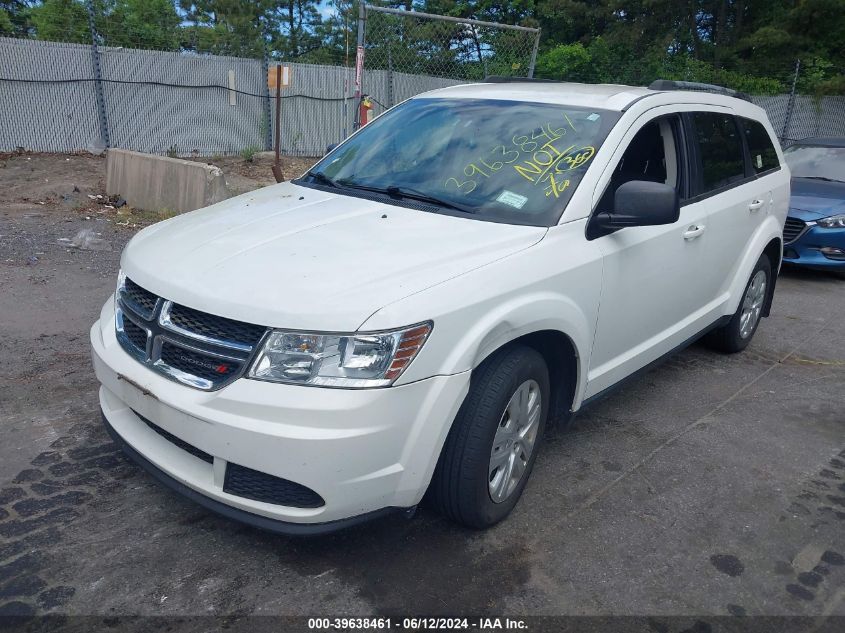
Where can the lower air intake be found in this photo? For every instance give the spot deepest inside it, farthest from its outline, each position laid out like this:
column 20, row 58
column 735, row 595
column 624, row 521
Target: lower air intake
column 258, row 486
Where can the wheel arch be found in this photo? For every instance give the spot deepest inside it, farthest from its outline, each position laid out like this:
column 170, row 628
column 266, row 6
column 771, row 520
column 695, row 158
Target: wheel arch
column 774, row 251
column 561, row 356
column 562, row 360
column 767, row 240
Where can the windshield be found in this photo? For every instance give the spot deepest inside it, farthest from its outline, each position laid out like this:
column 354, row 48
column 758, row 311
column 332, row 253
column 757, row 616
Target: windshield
column 504, row 161
column 826, row 163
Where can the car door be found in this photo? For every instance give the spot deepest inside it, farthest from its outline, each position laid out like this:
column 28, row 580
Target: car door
column 650, row 301
column 725, row 189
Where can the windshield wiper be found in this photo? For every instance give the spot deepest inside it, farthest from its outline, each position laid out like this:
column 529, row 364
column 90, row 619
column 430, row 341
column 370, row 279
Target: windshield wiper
column 415, row 194
column 411, row 194
column 826, row 179
column 321, row 178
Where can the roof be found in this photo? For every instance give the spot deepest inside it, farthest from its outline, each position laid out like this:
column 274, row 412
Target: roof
column 604, row 96
column 822, row 141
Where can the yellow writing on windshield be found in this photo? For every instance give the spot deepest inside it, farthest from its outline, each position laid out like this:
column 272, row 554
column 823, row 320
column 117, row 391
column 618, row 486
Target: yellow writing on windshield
column 548, row 161
column 545, row 159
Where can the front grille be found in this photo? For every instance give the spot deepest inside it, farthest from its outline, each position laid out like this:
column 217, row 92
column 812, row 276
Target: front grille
column 197, row 363
column 142, row 301
column 136, row 335
column 217, row 327
column 258, row 486
column 793, row 229
column 188, row 448
column 194, row 348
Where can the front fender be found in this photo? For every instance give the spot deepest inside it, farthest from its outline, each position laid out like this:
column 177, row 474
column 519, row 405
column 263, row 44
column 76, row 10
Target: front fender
column 517, row 317
column 553, row 286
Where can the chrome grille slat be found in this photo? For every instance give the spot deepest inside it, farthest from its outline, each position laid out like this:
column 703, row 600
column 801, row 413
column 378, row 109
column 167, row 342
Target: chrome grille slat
column 140, row 301
column 793, row 229
column 183, row 352
column 165, row 319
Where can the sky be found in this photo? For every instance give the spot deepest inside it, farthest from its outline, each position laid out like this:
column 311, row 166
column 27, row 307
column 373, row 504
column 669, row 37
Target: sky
column 325, row 9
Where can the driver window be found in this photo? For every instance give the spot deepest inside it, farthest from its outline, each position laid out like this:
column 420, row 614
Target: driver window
column 652, row 155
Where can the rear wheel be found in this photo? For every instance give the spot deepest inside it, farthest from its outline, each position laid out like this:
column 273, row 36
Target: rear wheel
column 738, row 332
column 492, row 446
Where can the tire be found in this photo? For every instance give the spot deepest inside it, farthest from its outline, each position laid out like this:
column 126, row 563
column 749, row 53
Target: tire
column 737, row 333
column 461, row 488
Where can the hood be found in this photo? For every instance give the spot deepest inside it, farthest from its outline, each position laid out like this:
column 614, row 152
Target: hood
column 295, row 257
column 816, row 199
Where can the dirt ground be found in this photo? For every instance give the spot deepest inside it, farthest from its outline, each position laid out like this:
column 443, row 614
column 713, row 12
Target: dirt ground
column 244, row 175
column 713, row 486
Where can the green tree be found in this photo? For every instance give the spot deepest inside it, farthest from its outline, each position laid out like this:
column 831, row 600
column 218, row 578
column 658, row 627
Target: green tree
column 142, row 24
column 285, row 29
column 15, row 18
column 298, row 21
column 226, row 27
column 6, row 27
column 750, row 43
column 61, row 21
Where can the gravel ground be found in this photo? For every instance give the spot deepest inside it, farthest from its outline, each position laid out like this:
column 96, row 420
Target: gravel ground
column 711, row 486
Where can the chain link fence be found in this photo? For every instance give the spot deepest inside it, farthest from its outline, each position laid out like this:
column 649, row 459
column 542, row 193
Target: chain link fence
column 404, row 44
column 91, row 81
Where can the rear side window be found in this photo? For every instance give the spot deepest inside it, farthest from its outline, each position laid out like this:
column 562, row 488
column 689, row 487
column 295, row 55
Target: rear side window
column 760, row 146
column 720, row 148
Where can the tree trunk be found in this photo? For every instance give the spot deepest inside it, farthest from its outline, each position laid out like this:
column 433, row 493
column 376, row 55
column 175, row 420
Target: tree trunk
column 477, row 45
column 291, row 29
column 720, row 38
column 693, row 27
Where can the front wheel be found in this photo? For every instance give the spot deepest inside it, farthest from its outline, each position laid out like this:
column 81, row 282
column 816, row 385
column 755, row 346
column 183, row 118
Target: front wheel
column 738, row 332
column 493, row 443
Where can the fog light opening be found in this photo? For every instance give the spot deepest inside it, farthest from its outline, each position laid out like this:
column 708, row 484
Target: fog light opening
column 831, row 252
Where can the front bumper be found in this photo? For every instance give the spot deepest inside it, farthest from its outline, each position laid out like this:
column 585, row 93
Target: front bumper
column 807, row 249
column 363, row 451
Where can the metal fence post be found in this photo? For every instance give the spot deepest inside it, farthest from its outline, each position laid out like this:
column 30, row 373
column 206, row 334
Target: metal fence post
column 533, row 61
column 389, row 77
column 98, row 77
column 791, row 103
column 454, row 44
column 359, row 62
column 265, row 114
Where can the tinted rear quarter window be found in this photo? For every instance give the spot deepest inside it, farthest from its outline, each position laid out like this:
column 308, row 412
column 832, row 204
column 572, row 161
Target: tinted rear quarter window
column 720, row 145
column 764, row 157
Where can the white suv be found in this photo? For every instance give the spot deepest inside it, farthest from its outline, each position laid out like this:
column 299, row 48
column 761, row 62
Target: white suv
column 407, row 317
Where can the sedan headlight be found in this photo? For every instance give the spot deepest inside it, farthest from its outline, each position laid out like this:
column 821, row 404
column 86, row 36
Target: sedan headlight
column 833, row 222
column 372, row 359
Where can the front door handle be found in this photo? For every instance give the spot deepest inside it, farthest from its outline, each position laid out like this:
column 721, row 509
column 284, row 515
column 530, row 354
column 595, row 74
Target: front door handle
column 755, row 205
column 696, row 230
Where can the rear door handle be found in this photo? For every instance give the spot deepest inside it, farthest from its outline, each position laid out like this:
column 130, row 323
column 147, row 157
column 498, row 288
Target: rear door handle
column 755, row 205
column 694, row 231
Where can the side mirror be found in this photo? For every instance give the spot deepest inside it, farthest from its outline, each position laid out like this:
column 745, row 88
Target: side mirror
column 638, row 203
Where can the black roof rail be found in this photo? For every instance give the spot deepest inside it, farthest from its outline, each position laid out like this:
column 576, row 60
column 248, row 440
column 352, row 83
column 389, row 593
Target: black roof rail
column 695, row 86
column 503, row 79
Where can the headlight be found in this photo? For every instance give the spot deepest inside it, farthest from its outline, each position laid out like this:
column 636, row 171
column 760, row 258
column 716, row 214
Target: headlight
column 372, row 359
column 121, row 281
column 833, row 222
